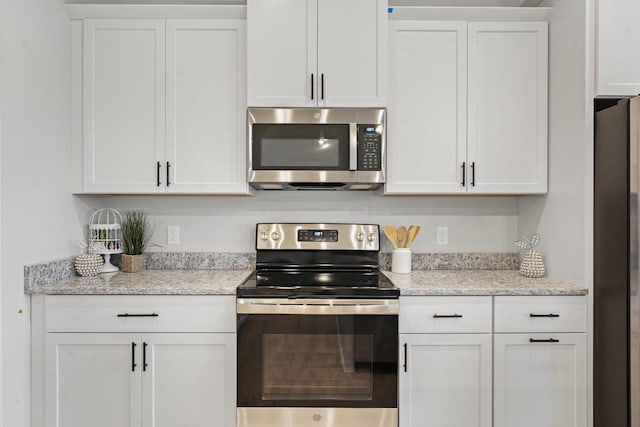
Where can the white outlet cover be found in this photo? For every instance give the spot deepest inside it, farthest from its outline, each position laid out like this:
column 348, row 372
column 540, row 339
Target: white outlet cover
column 442, row 235
column 173, row 235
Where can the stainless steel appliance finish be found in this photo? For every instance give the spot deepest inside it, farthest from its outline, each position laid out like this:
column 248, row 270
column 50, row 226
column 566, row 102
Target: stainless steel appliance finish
column 616, row 357
column 360, row 164
column 317, row 330
column 317, row 306
column 349, row 237
column 317, row 417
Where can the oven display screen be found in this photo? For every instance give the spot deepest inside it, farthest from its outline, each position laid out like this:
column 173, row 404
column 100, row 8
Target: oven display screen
column 317, row 235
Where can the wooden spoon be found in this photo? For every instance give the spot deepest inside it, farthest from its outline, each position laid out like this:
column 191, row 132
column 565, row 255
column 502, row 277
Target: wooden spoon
column 390, row 232
column 411, row 235
column 401, row 234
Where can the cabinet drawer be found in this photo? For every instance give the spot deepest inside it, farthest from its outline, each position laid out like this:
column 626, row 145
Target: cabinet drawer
column 541, row 314
column 445, row 315
column 118, row 313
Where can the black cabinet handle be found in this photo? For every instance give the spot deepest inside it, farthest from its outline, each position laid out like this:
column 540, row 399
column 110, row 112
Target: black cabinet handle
column 133, row 357
column 464, row 169
column 158, row 174
column 144, row 356
column 473, row 174
column 139, row 315
column 543, row 315
column 322, row 86
column 447, row 316
column 312, row 86
column 547, row 340
column 405, row 357
column 168, row 167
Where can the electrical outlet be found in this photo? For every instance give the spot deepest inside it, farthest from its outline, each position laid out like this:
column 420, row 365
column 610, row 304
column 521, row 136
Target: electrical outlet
column 442, row 235
column 173, row 235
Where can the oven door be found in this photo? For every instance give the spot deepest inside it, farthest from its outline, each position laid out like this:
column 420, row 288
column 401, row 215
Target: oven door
column 318, row 355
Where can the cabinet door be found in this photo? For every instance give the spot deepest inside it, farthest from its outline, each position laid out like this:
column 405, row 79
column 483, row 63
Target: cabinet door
column 189, row 380
column 428, row 107
column 282, row 53
column 91, row 380
column 352, row 39
column 618, row 70
column 540, row 383
column 206, row 108
column 507, row 139
column 447, row 381
column 123, row 112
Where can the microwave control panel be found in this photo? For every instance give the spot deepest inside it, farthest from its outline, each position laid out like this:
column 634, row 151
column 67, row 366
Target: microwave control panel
column 369, row 148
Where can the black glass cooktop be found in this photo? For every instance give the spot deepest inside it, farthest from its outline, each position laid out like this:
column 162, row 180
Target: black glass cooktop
column 318, row 283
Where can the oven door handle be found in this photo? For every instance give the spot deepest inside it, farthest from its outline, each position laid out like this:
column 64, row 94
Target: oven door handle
column 353, row 146
column 316, row 306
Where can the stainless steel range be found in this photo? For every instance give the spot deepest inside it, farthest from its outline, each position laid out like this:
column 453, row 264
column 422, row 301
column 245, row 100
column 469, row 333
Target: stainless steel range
column 317, row 330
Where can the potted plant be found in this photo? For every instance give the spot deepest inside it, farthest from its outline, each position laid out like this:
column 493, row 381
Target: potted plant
column 136, row 233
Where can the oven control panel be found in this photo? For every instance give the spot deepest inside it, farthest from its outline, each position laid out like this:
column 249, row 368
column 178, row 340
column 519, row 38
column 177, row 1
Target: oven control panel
column 317, row 235
column 354, row 237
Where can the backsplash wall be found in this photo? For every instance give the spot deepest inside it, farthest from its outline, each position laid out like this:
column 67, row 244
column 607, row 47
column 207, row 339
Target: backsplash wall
column 227, row 224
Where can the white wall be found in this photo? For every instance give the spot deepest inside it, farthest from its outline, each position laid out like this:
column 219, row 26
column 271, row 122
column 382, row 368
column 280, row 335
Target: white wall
column 40, row 219
column 477, row 224
column 560, row 217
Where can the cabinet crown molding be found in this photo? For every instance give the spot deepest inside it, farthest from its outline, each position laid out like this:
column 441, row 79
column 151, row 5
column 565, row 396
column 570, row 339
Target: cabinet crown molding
column 156, row 11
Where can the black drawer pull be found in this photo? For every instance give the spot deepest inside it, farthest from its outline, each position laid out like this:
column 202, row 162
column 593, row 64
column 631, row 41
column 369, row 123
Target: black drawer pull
column 139, row 315
column 464, row 172
column 547, row 340
column 447, row 316
column 144, row 356
column 544, row 315
column 133, row 357
column 405, row 357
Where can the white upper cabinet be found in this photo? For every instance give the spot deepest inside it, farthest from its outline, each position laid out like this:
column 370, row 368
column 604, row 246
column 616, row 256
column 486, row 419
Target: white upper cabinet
column 427, row 109
column 282, row 42
column 205, row 149
column 468, row 108
column 163, row 105
column 326, row 53
column 507, row 134
column 123, row 104
column 618, row 64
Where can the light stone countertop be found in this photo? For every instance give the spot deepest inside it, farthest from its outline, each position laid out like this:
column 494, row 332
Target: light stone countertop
column 225, row 282
column 479, row 282
column 149, row 282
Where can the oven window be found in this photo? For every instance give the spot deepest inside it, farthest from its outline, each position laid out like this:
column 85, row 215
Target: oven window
column 317, row 366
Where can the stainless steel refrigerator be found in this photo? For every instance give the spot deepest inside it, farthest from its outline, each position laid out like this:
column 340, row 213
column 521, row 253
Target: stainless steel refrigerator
column 616, row 356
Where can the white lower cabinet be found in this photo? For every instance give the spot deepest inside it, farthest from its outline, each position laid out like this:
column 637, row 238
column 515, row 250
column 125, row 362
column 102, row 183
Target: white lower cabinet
column 190, row 380
column 527, row 368
column 540, row 380
column 445, row 380
column 150, row 380
column 89, row 380
column 112, row 368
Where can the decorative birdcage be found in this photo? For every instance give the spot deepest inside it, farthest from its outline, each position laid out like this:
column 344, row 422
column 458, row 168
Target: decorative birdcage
column 105, row 236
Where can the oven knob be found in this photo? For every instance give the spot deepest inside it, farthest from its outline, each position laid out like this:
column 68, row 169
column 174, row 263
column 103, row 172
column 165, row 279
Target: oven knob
column 360, row 237
column 264, row 236
column 275, row 236
column 371, row 237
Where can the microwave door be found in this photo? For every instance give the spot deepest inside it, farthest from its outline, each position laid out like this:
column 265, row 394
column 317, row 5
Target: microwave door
column 353, row 146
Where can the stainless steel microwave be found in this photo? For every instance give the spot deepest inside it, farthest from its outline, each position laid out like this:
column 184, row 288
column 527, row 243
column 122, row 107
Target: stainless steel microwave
column 316, row 149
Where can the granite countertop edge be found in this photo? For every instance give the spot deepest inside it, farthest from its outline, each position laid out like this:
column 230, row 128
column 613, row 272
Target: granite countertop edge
column 225, row 282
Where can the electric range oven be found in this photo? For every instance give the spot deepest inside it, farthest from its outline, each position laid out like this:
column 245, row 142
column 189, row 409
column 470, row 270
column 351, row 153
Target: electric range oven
column 317, row 330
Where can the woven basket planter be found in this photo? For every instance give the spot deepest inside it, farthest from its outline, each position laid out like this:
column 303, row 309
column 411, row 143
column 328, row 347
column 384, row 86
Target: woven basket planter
column 133, row 263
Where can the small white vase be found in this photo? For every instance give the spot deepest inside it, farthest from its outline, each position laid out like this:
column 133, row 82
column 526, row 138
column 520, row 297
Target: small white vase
column 401, row 261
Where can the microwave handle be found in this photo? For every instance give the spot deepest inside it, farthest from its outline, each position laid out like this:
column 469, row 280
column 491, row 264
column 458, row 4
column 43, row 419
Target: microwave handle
column 353, row 146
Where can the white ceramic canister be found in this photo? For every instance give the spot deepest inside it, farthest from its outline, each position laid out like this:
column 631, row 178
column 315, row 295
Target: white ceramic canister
column 401, row 260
